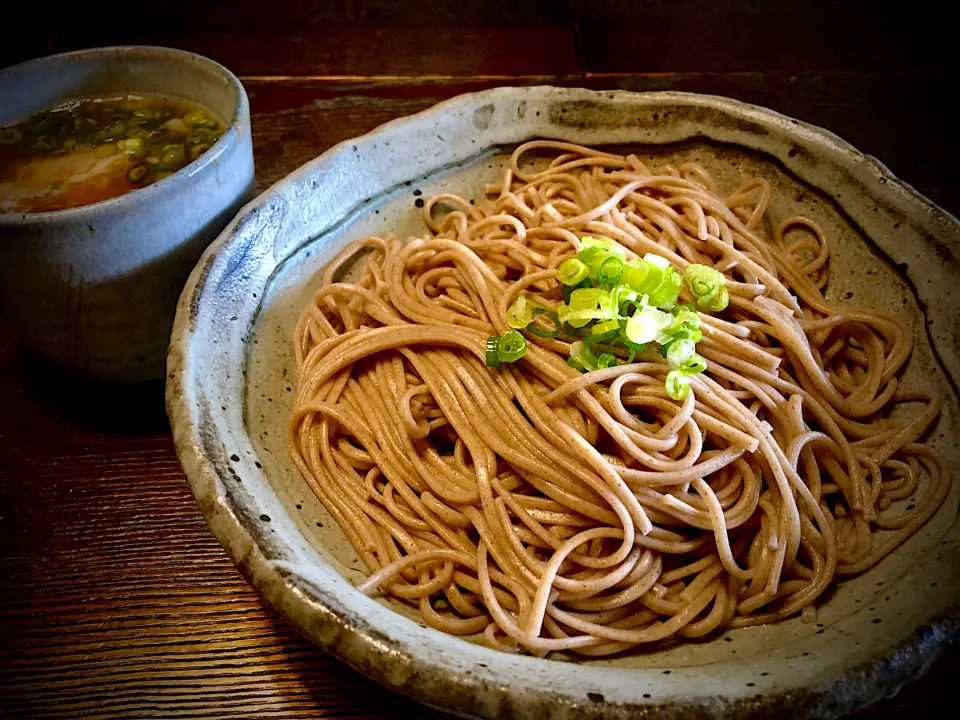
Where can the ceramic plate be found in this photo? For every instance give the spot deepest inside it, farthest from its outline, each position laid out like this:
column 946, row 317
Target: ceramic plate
column 231, row 375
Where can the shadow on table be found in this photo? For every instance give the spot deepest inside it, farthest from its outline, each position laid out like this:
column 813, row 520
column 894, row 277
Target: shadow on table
column 323, row 685
column 129, row 409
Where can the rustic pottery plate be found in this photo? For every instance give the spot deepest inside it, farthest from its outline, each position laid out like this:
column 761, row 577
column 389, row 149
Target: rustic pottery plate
column 231, row 374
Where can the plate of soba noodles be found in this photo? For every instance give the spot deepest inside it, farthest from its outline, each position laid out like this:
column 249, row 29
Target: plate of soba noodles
column 559, row 403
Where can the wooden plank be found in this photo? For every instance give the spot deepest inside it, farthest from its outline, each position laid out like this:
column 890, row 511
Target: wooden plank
column 257, row 16
column 347, row 37
column 749, row 35
column 367, row 51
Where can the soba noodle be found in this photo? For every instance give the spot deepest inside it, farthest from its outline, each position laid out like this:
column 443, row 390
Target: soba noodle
column 544, row 509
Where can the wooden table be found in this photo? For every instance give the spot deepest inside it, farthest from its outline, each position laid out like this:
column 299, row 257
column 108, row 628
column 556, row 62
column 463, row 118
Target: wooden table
column 115, row 599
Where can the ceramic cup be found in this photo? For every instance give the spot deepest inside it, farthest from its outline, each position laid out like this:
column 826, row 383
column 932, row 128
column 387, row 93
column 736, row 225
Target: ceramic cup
column 93, row 289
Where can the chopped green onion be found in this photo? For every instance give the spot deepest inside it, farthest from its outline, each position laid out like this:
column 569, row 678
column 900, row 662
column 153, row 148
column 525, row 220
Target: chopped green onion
column 512, row 346
column 582, row 357
column 589, row 299
column 694, row 365
column 677, row 385
column 604, row 327
column 113, row 131
column 620, row 295
column 177, row 125
column 198, row 150
column 708, row 287
column 594, row 338
column 572, row 272
column 172, row 155
column 520, row 313
column 610, row 271
column 585, row 304
column 657, row 261
column 137, row 174
column 199, row 136
column 612, row 308
column 552, row 317
column 631, row 348
column 595, row 251
column 509, row 347
column 493, row 351
column 569, row 289
column 131, row 146
column 628, row 305
column 44, row 143
column 570, row 331
column 652, row 280
column 590, row 253
column 588, row 241
column 644, row 326
column 577, row 365
column 652, row 276
column 606, row 360
column 686, row 317
column 680, row 350
column 669, row 289
column 634, row 273
column 9, row 136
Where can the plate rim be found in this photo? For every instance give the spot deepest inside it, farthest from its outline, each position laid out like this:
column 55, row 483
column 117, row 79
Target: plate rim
column 355, row 641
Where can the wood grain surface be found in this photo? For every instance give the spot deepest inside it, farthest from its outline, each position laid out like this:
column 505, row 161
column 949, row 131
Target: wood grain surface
column 115, row 600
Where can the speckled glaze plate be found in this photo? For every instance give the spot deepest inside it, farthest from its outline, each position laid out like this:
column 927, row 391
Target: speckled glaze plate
column 231, row 373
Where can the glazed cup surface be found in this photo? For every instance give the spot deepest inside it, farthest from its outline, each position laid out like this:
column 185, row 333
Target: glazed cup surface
column 93, row 289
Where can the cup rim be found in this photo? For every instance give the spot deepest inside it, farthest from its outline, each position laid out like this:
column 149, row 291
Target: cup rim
column 241, row 112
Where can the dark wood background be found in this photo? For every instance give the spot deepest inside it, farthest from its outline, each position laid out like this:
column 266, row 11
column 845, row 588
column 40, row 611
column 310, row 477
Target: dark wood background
column 115, row 601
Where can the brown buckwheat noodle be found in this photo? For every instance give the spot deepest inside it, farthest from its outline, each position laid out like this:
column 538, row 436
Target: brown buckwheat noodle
column 543, row 509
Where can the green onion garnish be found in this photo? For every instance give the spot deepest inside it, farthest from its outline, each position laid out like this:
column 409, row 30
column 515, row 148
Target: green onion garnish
column 509, row 347
column 606, row 360
column 572, row 272
column 552, row 317
column 612, row 308
column 595, row 251
column 570, row 331
column 9, row 136
column 610, row 271
column 677, row 385
column 708, row 287
column 581, row 357
column 605, row 327
column 680, row 350
column 198, row 150
column 493, row 351
column 512, row 346
column 137, row 174
column 520, row 313
column 569, row 289
column 645, row 326
column 44, row 143
column 585, row 305
column 694, row 365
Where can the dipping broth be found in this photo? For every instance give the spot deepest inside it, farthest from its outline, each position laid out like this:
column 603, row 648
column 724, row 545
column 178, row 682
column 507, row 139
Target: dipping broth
column 85, row 151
